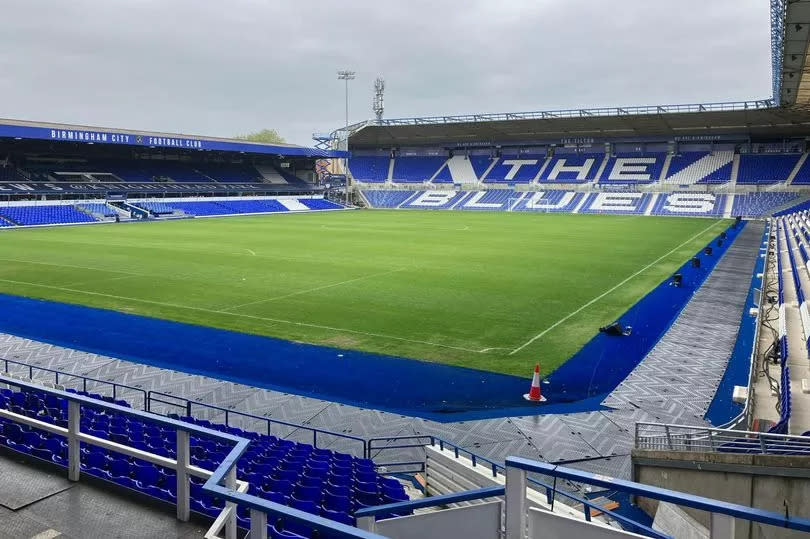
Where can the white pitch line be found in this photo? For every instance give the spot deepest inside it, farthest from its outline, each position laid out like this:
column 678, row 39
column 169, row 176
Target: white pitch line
column 315, row 289
column 603, row 294
column 238, row 315
column 251, row 251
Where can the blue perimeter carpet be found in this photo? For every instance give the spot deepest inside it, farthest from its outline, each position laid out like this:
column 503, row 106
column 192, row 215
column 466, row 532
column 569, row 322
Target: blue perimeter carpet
column 417, row 388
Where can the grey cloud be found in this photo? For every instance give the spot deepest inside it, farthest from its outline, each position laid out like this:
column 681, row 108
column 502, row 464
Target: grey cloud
column 227, row 67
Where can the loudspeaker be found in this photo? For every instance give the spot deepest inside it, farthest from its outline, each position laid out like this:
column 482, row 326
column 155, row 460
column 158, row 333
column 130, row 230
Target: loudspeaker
column 677, row 279
column 708, row 251
column 695, row 262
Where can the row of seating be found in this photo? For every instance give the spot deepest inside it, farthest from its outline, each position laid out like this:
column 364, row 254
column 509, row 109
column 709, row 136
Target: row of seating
column 681, row 203
column 685, row 168
column 318, row 481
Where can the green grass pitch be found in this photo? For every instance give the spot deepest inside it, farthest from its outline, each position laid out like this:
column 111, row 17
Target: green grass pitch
column 493, row 291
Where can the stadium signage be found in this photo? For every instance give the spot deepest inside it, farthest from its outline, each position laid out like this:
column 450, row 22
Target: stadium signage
column 66, row 188
column 35, row 131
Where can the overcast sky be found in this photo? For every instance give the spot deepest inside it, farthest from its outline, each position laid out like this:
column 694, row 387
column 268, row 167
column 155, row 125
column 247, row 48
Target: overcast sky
column 224, row 67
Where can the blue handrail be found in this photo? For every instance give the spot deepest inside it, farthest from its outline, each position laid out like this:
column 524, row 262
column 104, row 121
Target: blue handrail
column 550, row 490
column 433, row 501
column 661, row 494
column 188, row 404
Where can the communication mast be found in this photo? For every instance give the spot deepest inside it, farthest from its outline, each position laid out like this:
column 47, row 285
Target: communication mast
column 378, row 105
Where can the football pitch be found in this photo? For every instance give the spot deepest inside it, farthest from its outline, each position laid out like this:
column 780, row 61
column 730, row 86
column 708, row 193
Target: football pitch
column 492, row 291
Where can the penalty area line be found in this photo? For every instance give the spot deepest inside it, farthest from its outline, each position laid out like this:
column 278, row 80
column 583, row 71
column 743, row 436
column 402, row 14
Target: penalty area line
column 609, row 291
column 239, row 315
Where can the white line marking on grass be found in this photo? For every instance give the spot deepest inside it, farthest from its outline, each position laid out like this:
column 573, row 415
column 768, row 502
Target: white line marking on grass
column 251, row 251
column 315, row 289
column 238, row 315
column 603, row 294
column 80, row 283
column 61, row 265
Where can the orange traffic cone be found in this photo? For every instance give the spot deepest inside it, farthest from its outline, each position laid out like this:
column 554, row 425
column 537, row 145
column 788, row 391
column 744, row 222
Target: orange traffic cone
column 534, row 394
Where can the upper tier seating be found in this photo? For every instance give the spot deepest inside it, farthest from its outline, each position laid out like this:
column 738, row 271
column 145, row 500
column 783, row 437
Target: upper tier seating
column 629, row 168
column 98, row 208
column 229, row 172
column 319, row 481
column 515, row 169
column 45, row 215
column 369, row 168
column 572, row 167
column 765, row 168
column 803, row 174
column 688, row 168
column 416, row 169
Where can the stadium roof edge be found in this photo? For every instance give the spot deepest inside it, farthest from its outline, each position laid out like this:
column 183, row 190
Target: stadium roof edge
column 59, row 132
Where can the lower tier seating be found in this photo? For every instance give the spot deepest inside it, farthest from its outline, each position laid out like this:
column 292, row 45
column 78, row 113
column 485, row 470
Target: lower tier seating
column 45, row 215
column 318, row 481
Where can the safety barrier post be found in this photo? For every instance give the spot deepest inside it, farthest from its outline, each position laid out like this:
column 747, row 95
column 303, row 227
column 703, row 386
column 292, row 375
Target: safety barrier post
column 258, row 524
column 516, row 506
column 183, row 487
column 74, row 445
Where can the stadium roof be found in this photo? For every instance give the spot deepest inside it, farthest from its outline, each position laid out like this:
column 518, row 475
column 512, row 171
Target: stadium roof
column 790, row 35
column 786, row 114
column 670, row 122
column 23, row 130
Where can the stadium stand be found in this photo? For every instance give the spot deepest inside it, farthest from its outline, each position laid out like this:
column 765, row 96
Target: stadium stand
column 415, row 169
column 572, row 168
column 320, row 204
column 676, row 203
column 45, row 215
column 156, row 208
column 686, row 204
column 633, row 168
column 700, row 167
column 318, row 481
column 515, row 169
column 760, row 204
column 765, row 168
column 369, row 168
column 98, row 208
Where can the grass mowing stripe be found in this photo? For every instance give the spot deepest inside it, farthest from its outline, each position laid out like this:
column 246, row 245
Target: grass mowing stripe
column 315, row 289
column 603, row 294
column 277, row 320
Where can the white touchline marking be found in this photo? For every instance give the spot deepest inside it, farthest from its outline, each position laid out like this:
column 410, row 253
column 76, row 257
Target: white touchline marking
column 603, row 294
column 250, row 251
column 311, row 290
column 238, row 315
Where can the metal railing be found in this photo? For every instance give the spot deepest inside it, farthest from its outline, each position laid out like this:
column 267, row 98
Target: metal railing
column 637, row 110
column 551, row 491
column 63, row 378
column 188, row 407
column 220, row 483
column 722, row 513
column 659, row 436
